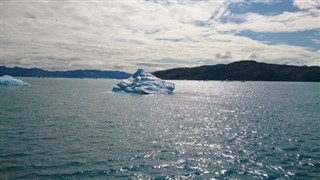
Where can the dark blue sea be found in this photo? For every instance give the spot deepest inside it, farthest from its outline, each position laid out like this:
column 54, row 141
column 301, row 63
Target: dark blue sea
column 79, row 129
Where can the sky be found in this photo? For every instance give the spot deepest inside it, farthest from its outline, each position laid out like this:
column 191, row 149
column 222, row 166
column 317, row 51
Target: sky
column 157, row 34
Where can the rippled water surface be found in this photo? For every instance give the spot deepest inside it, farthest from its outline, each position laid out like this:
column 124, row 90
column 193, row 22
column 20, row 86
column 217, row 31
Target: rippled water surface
column 78, row 129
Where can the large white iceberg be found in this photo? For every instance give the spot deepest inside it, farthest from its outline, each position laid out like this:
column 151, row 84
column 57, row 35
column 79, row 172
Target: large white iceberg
column 7, row 80
column 144, row 83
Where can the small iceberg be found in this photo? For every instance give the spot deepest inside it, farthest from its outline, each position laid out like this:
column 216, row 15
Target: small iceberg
column 144, row 83
column 7, row 80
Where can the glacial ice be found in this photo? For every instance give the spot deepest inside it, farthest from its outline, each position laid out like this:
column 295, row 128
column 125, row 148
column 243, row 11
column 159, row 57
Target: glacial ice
column 7, row 80
column 144, row 83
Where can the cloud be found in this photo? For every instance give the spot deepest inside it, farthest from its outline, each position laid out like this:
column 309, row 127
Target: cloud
column 148, row 64
column 168, row 39
column 316, row 41
column 151, row 66
column 184, row 62
column 307, row 4
column 314, row 59
column 285, row 22
column 118, row 66
column 126, row 34
column 252, row 55
column 225, row 55
column 222, row 12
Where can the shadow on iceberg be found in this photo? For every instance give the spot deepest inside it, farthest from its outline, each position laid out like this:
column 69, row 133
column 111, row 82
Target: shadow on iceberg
column 144, row 83
column 7, row 80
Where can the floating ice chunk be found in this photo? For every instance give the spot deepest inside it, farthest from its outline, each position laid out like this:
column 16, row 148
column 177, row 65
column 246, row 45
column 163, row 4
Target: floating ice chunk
column 144, row 83
column 7, row 80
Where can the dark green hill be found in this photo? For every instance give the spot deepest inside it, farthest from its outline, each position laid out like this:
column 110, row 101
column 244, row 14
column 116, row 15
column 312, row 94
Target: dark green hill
column 244, row 70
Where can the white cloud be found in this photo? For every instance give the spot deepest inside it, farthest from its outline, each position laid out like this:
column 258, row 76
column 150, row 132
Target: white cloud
column 285, row 22
column 126, row 34
column 307, row 4
column 316, row 41
column 252, row 56
column 314, row 59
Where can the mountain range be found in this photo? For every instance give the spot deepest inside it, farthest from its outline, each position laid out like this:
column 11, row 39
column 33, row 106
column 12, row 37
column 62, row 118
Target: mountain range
column 246, row 70
column 35, row 72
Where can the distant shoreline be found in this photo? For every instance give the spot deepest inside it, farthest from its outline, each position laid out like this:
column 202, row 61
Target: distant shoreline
column 40, row 73
column 246, row 70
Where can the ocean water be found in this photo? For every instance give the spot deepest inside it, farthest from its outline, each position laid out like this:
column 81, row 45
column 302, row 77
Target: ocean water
column 79, row 129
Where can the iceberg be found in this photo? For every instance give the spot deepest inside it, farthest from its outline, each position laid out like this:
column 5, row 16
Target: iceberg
column 144, row 83
column 7, row 80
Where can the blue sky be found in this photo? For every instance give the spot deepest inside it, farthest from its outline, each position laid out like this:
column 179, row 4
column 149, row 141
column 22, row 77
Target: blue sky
column 264, row 7
column 297, row 38
column 158, row 34
column 301, row 38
